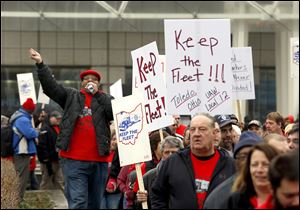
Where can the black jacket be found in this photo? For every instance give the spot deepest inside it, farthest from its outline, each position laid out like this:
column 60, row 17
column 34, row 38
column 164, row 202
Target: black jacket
column 239, row 200
column 72, row 102
column 175, row 188
column 46, row 149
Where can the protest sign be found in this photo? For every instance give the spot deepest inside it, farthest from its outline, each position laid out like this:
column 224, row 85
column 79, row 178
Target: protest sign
column 198, row 69
column 150, row 82
column 116, row 89
column 294, row 46
column 43, row 98
column 242, row 70
column 26, row 87
column 131, row 130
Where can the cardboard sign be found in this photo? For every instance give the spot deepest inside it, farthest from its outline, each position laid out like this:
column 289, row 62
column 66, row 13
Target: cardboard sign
column 198, row 69
column 149, row 81
column 26, row 87
column 131, row 130
column 116, row 89
column 242, row 70
column 43, row 98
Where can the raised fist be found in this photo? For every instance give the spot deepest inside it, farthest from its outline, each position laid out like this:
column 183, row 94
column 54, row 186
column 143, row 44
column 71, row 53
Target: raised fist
column 34, row 55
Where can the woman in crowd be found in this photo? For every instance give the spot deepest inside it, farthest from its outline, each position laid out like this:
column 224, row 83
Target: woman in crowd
column 252, row 187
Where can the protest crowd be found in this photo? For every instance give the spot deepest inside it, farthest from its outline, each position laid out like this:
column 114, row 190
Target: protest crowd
column 175, row 143
column 212, row 162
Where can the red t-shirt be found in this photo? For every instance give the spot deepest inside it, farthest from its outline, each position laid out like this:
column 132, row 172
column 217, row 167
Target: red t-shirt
column 203, row 170
column 268, row 204
column 180, row 130
column 56, row 128
column 83, row 144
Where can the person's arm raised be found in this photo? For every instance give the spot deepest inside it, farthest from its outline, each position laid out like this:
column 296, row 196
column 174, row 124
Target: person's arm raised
column 50, row 86
column 34, row 55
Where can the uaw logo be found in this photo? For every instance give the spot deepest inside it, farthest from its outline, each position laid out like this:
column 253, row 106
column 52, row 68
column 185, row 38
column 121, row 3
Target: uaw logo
column 296, row 54
column 130, row 125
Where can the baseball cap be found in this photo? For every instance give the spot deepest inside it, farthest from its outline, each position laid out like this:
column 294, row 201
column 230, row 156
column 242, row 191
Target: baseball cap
column 234, row 117
column 254, row 122
column 223, row 120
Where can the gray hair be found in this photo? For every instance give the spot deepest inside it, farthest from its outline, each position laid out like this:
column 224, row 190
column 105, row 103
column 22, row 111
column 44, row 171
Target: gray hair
column 171, row 141
column 205, row 114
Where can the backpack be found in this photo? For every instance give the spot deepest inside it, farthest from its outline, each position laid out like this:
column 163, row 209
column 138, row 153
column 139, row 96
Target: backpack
column 7, row 148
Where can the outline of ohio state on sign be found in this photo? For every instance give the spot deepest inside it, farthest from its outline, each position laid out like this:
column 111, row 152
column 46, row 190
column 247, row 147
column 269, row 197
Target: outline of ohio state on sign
column 131, row 130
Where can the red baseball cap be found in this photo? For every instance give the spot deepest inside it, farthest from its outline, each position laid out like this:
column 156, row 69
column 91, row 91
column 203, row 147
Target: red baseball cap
column 90, row 71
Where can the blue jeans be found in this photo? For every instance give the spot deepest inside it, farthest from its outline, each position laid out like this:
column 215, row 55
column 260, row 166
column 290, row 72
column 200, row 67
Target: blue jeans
column 85, row 183
column 111, row 200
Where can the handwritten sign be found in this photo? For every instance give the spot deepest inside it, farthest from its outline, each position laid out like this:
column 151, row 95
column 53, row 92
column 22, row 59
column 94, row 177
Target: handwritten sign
column 26, row 87
column 131, row 129
column 242, row 70
column 43, row 98
column 198, row 66
column 150, row 82
column 116, row 89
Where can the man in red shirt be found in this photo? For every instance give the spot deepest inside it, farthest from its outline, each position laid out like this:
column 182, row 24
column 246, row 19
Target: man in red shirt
column 180, row 127
column 187, row 177
column 84, row 137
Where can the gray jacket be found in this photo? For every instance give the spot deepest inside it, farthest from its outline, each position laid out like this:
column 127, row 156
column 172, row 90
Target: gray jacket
column 218, row 198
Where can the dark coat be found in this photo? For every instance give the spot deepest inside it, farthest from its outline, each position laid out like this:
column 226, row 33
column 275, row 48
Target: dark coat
column 72, row 102
column 174, row 186
column 46, row 149
column 239, row 200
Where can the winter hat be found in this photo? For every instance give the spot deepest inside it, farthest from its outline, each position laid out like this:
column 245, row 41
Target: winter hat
column 56, row 114
column 247, row 139
column 90, row 71
column 28, row 105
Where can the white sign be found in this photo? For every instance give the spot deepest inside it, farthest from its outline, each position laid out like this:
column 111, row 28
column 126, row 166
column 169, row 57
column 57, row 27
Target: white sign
column 198, row 71
column 294, row 46
column 150, row 82
column 242, row 70
column 116, row 89
column 43, row 98
column 131, row 130
column 26, row 87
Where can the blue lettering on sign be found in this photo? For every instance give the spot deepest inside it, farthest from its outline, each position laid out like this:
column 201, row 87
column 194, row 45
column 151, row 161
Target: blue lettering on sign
column 128, row 122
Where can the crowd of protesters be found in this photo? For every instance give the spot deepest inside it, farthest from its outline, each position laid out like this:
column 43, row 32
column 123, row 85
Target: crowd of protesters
column 212, row 162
